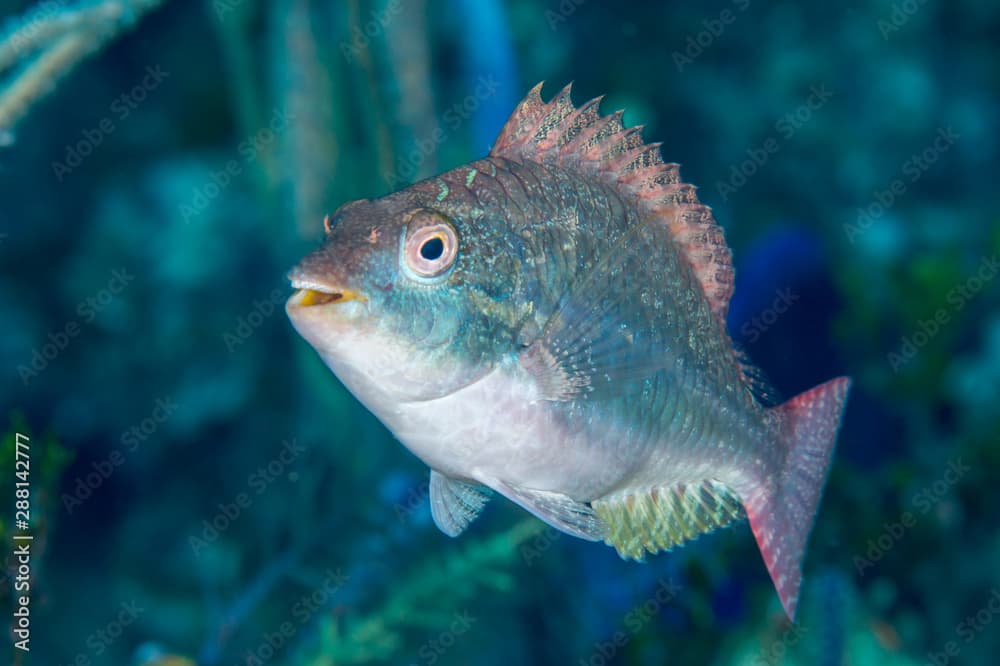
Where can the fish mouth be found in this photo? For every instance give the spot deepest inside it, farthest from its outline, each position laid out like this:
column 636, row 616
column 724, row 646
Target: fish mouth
column 312, row 294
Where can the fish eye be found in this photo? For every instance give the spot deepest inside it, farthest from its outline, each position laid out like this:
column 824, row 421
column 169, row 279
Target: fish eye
column 431, row 244
column 432, row 248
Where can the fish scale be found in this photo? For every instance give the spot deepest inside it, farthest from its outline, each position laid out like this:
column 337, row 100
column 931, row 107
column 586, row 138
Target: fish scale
column 606, row 214
column 549, row 323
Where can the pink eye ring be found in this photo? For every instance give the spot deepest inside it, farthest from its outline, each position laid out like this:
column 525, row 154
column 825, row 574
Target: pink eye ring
column 431, row 244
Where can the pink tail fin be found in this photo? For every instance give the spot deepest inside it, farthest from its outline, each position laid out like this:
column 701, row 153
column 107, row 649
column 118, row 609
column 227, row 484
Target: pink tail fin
column 782, row 512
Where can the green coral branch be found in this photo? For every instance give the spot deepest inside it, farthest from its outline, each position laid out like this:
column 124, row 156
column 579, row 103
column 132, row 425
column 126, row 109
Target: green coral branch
column 425, row 599
column 45, row 24
column 58, row 38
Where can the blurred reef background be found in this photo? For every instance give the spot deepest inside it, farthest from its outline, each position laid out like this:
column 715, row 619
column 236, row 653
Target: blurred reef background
column 206, row 492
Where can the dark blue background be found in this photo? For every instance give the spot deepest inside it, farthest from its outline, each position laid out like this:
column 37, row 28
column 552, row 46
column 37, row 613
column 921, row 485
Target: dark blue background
column 810, row 129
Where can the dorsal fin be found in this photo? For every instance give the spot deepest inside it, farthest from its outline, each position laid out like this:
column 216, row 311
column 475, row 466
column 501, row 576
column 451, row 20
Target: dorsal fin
column 756, row 381
column 662, row 518
column 580, row 139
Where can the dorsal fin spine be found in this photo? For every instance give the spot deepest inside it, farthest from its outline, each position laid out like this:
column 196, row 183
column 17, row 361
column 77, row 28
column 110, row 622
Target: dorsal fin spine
column 578, row 138
column 604, row 127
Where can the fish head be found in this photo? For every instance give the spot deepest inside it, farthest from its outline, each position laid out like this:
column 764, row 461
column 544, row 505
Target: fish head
column 405, row 299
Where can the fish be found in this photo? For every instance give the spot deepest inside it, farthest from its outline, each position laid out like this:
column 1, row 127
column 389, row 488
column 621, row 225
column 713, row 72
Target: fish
column 548, row 324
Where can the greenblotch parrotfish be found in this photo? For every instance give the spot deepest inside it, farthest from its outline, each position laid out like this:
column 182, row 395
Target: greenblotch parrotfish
column 548, row 323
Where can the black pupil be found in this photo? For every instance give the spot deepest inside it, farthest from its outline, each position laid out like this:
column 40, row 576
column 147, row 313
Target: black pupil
column 432, row 248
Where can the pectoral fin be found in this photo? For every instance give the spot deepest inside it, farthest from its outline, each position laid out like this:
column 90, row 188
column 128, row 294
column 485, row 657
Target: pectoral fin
column 611, row 329
column 558, row 510
column 454, row 503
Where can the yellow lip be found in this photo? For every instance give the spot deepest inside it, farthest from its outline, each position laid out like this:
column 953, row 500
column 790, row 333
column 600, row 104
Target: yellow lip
column 311, row 297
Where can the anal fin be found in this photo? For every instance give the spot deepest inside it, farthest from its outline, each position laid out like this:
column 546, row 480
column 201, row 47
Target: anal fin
column 665, row 517
column 454, row 503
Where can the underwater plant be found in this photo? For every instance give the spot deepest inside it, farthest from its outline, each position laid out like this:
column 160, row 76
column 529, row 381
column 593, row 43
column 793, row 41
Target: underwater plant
column 54, row 38
column 426, row 598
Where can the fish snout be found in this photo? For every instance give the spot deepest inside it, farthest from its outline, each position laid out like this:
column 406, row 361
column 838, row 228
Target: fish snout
column 319, row 281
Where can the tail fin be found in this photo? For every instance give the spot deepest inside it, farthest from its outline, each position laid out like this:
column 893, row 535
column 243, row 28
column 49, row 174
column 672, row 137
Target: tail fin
column 781, row 513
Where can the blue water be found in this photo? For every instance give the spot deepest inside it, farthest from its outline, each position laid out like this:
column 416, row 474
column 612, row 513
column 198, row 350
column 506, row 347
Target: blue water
column 203, row 489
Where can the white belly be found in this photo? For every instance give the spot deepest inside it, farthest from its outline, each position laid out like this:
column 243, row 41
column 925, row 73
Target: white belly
column 498, row 428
